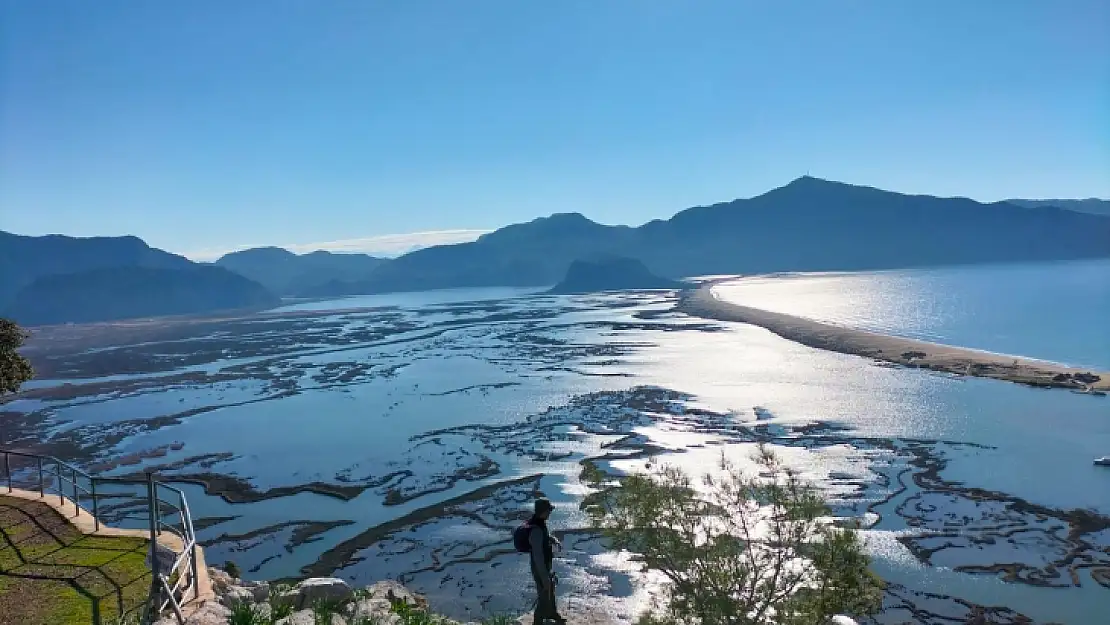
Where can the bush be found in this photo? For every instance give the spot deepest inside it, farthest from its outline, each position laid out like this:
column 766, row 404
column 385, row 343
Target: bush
column 280, row 606
column 247, row 614
column 737, row 550
column 232, row 569
column 14, row 369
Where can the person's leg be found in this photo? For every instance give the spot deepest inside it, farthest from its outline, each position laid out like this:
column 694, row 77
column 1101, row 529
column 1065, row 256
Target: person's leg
column 554, row 613
column 544, row 600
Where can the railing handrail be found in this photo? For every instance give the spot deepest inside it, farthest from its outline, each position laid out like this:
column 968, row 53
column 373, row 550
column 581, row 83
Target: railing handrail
column 186, row 534
column 79, row 470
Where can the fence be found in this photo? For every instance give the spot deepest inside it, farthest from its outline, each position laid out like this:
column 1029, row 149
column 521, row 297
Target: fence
column 175, row 578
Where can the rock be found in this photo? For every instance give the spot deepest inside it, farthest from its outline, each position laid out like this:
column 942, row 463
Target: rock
column 259, row 590
column 376, row 603
column 840, row 619
column 376, row 611
column 308, row 592
column 220, row 579
column 234, row 595
column 211, row 613
column 306, row 617
column 393, row 591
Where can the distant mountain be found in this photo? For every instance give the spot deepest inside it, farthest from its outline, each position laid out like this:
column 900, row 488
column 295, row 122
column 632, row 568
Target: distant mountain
column 23, row 259
column 1093, row 206
column 132, row 291
column 809, row 224
column 286, row 273
column 611, row 273
column 59, row 279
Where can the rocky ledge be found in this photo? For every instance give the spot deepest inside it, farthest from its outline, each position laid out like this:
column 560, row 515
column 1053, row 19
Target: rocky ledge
column 333, row 601
column 312, row 601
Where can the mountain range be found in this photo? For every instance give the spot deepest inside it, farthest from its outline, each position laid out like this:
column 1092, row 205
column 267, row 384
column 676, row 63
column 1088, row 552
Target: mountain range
column 289, row 274
column 60, row 279
column 807, row 225
column 1094, row 206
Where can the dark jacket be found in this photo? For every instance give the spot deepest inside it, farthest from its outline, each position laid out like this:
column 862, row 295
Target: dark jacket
column 545, row 544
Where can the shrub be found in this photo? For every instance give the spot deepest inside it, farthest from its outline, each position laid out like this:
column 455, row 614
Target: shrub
column 247, row 614
column 738, row 550
column 232, row 569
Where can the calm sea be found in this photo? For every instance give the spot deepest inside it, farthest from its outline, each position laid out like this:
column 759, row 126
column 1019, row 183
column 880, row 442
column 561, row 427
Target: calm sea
column 1052, row 311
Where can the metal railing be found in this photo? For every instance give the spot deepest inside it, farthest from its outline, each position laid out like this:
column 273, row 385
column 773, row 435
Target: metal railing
column 175, row 577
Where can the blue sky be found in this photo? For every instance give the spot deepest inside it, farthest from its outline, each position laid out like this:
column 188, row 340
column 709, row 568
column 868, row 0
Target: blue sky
column 206, row 126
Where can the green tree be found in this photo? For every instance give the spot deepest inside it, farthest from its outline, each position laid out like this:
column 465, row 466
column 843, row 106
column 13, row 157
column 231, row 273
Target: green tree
column 14, row 369
column 739, row 550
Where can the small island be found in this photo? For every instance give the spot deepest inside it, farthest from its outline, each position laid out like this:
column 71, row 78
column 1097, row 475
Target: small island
column 612, row 273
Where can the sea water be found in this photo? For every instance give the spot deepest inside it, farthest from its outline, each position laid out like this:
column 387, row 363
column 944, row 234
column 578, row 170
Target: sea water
column 1051, row 311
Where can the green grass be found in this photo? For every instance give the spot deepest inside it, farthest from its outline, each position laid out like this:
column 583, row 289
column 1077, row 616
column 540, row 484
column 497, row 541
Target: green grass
column 52, row 574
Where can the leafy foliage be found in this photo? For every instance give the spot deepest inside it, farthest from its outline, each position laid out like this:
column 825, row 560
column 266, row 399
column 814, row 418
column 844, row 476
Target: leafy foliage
column 232, row 569
column 14, row 369
column 739, row 550
column 413, row 615
column 247, row 614
column 280, row 607
column 323, row 610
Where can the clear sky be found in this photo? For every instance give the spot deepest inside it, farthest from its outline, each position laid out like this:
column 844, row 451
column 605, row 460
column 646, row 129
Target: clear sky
column 204, row 126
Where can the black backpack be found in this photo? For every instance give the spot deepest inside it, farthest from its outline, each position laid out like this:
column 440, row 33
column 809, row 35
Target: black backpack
column 521, row 537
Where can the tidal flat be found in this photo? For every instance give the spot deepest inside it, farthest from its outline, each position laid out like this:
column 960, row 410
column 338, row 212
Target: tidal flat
column 404, row 438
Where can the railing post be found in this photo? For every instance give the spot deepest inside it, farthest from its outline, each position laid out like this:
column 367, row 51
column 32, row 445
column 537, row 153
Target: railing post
column 187, row 530
column 61, row 489
column 96, row 507
column 8, row 469
column 42, row 481
column 155, row 506
column 155, row 589
column 76, row 497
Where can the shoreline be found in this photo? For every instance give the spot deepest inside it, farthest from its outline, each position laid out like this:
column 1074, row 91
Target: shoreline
column 701, row 302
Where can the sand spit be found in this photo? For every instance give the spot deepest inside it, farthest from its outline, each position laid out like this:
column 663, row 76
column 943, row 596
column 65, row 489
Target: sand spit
column 701, row 302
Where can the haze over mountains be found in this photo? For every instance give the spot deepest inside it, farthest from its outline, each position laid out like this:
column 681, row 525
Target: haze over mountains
column 1094, row 206
column 289, row 274
column 807, row 225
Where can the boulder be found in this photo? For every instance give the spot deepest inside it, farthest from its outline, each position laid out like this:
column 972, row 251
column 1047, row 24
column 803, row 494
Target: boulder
column 376, row 603
column 211, row 613
column 372, row 610
column 220, row 579
column 259, row 590
column 234, row 595
column 306, row 617
column 308, row 592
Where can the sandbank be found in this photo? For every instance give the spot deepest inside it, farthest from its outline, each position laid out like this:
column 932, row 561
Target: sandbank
column 701, row 302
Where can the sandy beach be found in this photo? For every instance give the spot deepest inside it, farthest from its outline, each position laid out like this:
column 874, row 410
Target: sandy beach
column 701, row 302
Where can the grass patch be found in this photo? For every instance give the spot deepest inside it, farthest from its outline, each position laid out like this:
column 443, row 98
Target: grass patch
column 52, row 574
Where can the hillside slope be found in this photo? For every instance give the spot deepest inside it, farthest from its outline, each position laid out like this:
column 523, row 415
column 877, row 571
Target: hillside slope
column 23, row 259
column 129, row 292
column 286, row 273
column 611, row 273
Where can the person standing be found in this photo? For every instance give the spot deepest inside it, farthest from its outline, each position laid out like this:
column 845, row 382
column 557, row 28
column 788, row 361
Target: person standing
column 541, row 551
